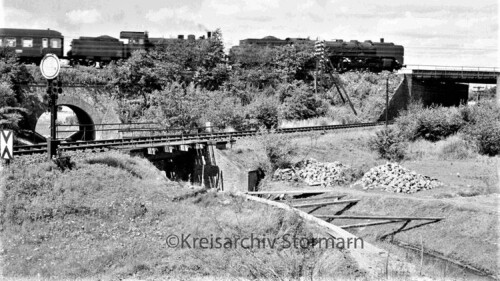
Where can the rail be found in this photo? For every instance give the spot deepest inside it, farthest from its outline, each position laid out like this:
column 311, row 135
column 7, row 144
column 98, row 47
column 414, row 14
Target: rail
column 101, row 144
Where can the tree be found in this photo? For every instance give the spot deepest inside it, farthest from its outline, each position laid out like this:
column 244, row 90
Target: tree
column 300, row 102
column 212, row 72
column 10, row 113
column 137, row 76
column 174, row 106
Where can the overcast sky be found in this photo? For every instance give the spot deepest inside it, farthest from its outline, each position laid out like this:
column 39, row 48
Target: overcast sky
column 439, row 32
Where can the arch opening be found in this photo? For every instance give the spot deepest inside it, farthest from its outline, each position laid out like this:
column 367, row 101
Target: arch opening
column 74, row 124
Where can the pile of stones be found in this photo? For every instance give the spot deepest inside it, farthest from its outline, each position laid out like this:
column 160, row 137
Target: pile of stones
column 316, row 173
column 393, row 177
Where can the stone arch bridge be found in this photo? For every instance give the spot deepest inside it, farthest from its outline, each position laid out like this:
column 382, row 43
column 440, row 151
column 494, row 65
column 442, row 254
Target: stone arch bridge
column 91, row 105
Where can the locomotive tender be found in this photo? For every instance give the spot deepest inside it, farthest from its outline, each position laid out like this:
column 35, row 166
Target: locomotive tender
column 374, row 56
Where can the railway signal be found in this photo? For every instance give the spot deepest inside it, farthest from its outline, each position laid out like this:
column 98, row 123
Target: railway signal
column 50, row 67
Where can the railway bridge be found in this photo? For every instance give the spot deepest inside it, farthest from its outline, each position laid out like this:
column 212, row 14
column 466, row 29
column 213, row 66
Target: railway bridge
column 91, row 105
column 440, row 85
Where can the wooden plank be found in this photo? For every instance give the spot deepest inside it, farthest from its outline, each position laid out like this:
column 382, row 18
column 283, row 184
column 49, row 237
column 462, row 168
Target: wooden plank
column 324, row 203
column 318, row 198
column 369, row 257
column 377, row 217
column 321, row 191
column 368, row 224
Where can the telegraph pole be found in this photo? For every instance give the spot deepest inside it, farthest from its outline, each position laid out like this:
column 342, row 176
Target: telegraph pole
column 387, row 101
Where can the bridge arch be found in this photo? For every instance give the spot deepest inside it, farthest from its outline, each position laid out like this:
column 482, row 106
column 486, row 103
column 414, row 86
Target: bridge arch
column 91, row 108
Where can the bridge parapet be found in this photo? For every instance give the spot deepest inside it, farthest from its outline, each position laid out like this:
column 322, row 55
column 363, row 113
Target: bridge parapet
column 459, row 74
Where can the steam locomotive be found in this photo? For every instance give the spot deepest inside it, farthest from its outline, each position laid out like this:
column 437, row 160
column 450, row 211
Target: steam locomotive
column 31, row 45
column 344, row 56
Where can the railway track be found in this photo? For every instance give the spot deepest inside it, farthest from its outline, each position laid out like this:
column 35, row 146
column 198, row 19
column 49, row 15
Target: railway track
column 101, row 144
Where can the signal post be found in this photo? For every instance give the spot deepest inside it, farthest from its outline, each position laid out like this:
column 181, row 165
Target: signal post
column 50, row 68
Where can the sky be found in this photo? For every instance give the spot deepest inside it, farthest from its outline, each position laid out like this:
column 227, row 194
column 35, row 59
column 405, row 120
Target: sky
column 433, row 32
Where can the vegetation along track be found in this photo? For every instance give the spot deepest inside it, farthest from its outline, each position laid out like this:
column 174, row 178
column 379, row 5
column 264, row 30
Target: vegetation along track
column 100, row 144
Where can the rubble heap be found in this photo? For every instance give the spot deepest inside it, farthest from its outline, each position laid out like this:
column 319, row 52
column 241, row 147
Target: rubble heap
column 316, row 173
column 393, row 177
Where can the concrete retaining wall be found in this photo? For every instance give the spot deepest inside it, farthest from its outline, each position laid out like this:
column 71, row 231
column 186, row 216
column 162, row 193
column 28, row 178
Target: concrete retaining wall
column 234, row 177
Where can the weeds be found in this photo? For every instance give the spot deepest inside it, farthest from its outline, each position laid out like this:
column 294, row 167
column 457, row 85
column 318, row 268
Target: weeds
column 455, row 148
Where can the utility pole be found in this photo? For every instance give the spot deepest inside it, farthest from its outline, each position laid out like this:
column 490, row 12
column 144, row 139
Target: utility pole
column 387, row 102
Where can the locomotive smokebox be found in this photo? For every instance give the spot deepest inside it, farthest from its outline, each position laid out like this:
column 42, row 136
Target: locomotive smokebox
column 381, row 40
column 209, row 34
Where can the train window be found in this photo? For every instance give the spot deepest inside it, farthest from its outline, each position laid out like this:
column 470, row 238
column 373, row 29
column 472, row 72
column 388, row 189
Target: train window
column 10, row 42
column 55, row 43
column 45, row 42
column 27, row 42
column 141, row 41
column 1, row 42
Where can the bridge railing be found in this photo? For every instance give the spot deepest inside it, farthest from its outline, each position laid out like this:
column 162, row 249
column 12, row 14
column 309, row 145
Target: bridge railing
column 452, row 68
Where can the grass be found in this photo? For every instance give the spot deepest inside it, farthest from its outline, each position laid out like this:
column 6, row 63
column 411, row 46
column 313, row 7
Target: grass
column 468, row 199
column 110, row 218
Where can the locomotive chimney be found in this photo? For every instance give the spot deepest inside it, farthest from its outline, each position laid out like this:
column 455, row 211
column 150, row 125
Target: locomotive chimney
column 180, row 36
column 381, row 40
column 209, row 34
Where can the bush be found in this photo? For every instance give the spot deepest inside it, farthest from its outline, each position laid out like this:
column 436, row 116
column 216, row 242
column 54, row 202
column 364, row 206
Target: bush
column 279, row 150
column 389, row 144
column 263, row 112
column 433, row 124
column 486, row 135
column 483, row 127
column 300, row 102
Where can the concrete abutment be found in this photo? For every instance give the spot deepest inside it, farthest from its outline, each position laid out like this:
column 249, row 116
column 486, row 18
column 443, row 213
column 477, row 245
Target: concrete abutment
column 205, row 164
column 426, row 91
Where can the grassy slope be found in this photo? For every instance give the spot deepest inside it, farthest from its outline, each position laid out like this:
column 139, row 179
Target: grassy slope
column 470, row 231
column 110, row 218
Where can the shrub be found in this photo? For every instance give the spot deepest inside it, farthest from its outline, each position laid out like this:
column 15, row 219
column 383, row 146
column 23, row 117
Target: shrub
column 483, row 127
column 433, row 124
column 486, row 135
column 389, row 144
column 263, row 112
column 279, row 150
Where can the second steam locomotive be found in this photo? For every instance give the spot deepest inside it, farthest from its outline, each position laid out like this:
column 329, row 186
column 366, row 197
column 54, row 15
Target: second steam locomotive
column 345, row 55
